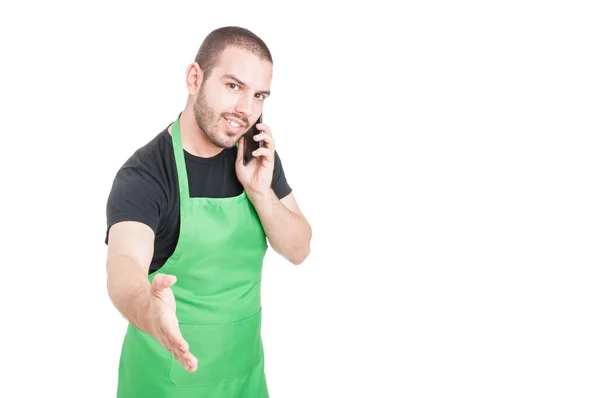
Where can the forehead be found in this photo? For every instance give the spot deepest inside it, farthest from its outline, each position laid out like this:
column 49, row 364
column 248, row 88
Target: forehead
column 246, row 66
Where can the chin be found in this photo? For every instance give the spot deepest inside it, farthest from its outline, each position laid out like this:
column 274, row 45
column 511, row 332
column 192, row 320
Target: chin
column 225, row 141
column 232, row 138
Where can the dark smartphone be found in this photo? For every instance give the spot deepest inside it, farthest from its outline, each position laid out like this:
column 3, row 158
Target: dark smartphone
column 250, row 144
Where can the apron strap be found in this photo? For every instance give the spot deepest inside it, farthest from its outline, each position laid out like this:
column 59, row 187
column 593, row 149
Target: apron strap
column 184, row 189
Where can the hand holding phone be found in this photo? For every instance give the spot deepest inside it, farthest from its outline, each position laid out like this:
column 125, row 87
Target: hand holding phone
column 249, row 144
column 256, row 178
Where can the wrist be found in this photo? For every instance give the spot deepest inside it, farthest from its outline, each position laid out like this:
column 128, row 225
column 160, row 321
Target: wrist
column 142, row 318
column 258, row 197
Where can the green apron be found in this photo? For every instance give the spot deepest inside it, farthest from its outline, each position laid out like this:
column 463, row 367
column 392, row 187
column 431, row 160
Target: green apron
column 218, row 263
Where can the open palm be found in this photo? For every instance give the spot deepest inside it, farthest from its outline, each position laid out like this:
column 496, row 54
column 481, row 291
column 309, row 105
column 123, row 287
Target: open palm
column 164, row 325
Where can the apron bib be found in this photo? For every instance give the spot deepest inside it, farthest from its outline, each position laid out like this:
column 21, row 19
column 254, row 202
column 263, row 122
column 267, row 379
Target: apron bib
column 218, row 263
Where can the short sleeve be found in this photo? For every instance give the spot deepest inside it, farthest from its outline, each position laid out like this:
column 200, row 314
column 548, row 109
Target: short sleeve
column 280, row 185
column 135, row 196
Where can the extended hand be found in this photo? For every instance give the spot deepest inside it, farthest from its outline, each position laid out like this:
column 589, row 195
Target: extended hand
column 256, row 176
column 163, row 323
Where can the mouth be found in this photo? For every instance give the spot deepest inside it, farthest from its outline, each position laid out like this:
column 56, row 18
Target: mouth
column 234, row 126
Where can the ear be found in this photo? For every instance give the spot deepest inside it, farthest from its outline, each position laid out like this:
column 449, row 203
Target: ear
column 193, row 78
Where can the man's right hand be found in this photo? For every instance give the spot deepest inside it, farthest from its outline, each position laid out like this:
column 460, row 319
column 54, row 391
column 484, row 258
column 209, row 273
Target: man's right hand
column 163, row 324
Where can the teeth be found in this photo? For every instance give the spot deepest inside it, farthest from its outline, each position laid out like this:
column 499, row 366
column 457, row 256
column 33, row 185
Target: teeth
column 234, row 124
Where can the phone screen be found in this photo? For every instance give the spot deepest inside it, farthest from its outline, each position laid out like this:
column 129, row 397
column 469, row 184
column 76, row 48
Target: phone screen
column 250, row 144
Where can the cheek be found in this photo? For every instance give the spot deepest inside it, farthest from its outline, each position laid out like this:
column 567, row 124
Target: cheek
column 221, row 99
column 257, row 107
column 228, row 101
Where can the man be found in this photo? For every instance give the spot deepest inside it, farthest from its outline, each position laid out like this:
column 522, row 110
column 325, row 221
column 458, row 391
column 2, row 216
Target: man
column 188, row 224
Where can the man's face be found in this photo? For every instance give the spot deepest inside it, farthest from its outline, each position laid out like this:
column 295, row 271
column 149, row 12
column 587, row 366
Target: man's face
column 230, row 101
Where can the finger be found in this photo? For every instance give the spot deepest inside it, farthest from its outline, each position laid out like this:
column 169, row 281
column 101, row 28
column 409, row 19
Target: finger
column 176, row 347
column 265, row 128
column 174, row 339
column 267, row 140
column 180, row 349
column 186, row 359
column 178, row 343
column 163, row 281
column 183, row 356
column 240, row 152
column 265, row 153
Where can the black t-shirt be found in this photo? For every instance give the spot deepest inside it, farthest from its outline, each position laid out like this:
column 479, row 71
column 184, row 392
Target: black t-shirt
column 145, row 189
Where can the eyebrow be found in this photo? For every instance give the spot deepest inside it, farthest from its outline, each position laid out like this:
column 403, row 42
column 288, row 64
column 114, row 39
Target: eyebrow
column 241, row 83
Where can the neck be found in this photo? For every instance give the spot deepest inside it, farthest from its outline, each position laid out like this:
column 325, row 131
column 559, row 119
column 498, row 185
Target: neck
column 193, row 140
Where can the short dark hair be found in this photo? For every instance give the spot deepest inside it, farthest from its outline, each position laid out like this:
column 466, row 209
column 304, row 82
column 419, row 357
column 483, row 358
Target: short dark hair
column 221, row 38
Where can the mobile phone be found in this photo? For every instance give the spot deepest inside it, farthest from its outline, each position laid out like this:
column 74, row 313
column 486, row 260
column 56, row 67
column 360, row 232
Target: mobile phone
column 250, row 144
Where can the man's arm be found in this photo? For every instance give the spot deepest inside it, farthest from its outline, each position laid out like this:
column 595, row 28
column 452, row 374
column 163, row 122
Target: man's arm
column 148, row 306
column 287, row 229
column 130, row 247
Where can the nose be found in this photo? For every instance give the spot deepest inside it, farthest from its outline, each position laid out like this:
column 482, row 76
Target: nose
column 244, row 105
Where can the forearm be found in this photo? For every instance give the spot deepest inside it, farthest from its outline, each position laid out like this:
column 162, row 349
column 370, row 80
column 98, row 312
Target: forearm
column 129, row 290
column 289, row 233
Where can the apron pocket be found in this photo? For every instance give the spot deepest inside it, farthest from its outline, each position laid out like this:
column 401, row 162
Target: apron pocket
column 224, row 352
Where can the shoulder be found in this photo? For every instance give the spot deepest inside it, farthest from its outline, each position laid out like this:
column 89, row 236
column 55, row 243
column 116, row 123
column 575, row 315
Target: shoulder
column 142, row 186
column 140, row 169
column 151, row 157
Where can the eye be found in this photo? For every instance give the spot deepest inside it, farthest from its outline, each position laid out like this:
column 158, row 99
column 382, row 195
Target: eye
column 232, row 86
column 260, row 96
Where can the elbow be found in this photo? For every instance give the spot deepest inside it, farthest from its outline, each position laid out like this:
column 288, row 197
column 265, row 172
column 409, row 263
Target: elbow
column 300, row 255
column 303, row 250
column 298, row 252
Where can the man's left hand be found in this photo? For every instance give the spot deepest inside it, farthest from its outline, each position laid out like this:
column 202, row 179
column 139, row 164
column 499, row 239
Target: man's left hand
column 257, row 175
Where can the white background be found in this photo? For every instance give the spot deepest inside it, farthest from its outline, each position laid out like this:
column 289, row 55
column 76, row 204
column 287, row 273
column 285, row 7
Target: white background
column 446, row 154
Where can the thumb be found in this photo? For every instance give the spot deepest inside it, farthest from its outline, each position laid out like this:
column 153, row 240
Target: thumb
column 163, row 281
column 240, row 151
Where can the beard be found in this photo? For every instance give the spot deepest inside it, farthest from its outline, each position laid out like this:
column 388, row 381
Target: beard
column 207, row 120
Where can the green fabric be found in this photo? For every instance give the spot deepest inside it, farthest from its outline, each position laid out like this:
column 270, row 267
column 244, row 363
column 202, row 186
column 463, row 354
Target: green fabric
column 218, row 263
